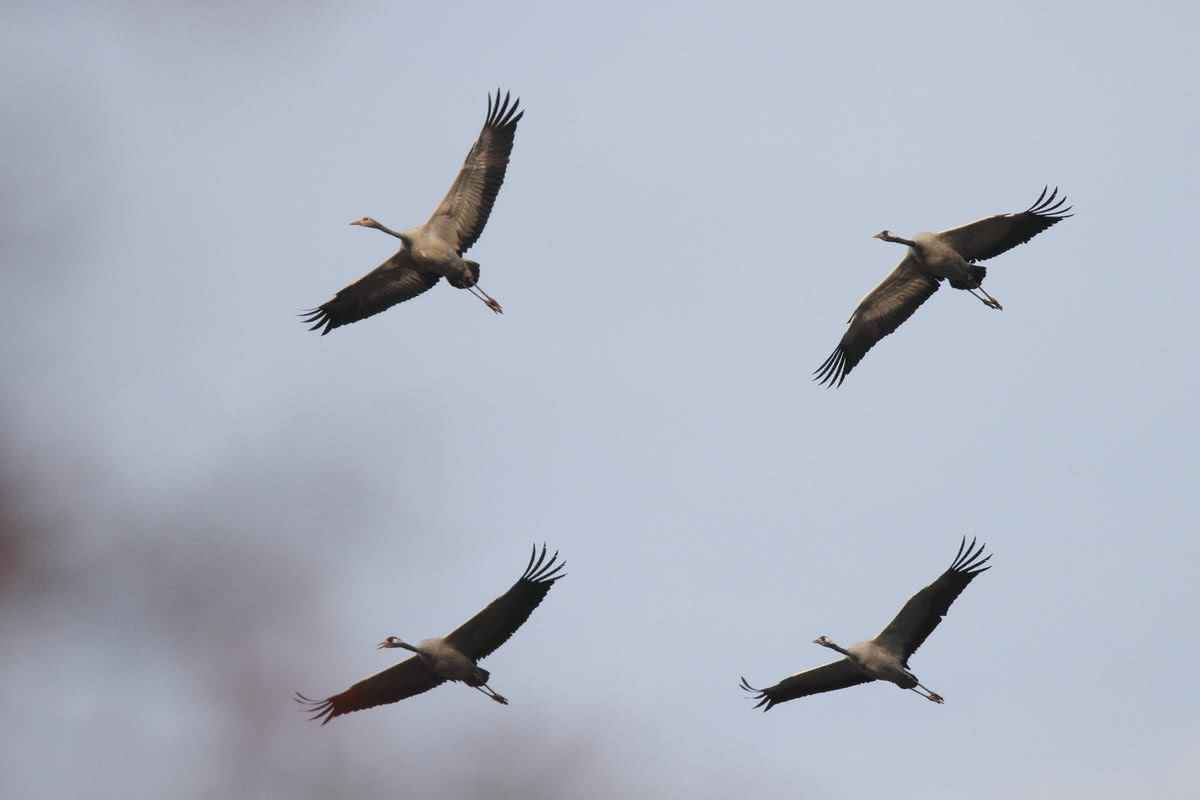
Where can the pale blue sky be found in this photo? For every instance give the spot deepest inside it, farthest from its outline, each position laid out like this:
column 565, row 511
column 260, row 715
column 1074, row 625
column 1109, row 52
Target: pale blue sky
column 241, row 508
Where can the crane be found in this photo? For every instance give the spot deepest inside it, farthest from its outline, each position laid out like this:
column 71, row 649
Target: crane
column 434, row 250
column 452, row 657
column 932, row 257
column 884, row 658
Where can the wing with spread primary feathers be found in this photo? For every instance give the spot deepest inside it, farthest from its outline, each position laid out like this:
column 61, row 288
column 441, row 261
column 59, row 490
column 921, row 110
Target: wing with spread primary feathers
column 394, row 281
column 463, row 212
column 879, row 313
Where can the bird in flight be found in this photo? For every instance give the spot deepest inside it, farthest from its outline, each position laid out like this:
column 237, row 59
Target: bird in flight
column 884, row 658
column 452, row 657
column 434, row 250
column 931, row 258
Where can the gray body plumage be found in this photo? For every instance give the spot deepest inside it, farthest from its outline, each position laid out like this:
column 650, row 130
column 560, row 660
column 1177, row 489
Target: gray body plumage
column 447, row 662
column 941, row 260
column 880, row 663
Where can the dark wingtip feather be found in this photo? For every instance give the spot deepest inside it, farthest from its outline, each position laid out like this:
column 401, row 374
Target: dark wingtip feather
column 500, row 115
column 968, row 560
column 1047, row 208
column 547, row 573
column 758, row 694
column 831, row 373
column 318, row 317
column 320, row 709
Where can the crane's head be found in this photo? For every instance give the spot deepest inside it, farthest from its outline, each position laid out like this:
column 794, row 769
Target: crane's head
column 886, row 235
column 391, row 641
column 367, row 222
column 824, row 640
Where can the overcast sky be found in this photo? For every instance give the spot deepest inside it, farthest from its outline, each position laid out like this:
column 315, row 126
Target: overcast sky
column 207, row 507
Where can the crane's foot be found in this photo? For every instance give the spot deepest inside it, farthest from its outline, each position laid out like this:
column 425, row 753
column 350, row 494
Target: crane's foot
column 487, row 299
column 490, row 692
column 937, row 698
column 986, row 299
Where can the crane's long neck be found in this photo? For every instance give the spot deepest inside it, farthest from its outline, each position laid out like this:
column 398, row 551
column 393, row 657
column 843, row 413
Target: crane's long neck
column 898, row 240
column 396, row 641
column 834, row 646
column 401, row 236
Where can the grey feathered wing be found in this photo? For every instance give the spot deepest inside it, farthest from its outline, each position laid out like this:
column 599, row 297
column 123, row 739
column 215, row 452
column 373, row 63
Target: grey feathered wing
column 829, row 677
column 406, row 679
column 463, row 212
column 483, row 633
column 989, row 237
column 925, row 609
column 394, row 281
column 884, row 309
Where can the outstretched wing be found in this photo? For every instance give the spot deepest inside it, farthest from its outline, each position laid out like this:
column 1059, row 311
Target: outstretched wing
column 406, row 679
column 879, row 313
column 483, row 633
column 834, row 675
column 989, row 237
column 465, row 209
column 925, row 609
column 392, row 282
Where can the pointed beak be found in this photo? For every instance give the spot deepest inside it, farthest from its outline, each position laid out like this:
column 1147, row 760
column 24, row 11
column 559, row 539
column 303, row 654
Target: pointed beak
column 384, row 643
column 357, row 222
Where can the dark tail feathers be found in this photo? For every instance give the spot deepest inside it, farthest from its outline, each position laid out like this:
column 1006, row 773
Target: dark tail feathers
column 473, row 266
column 978, row 273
